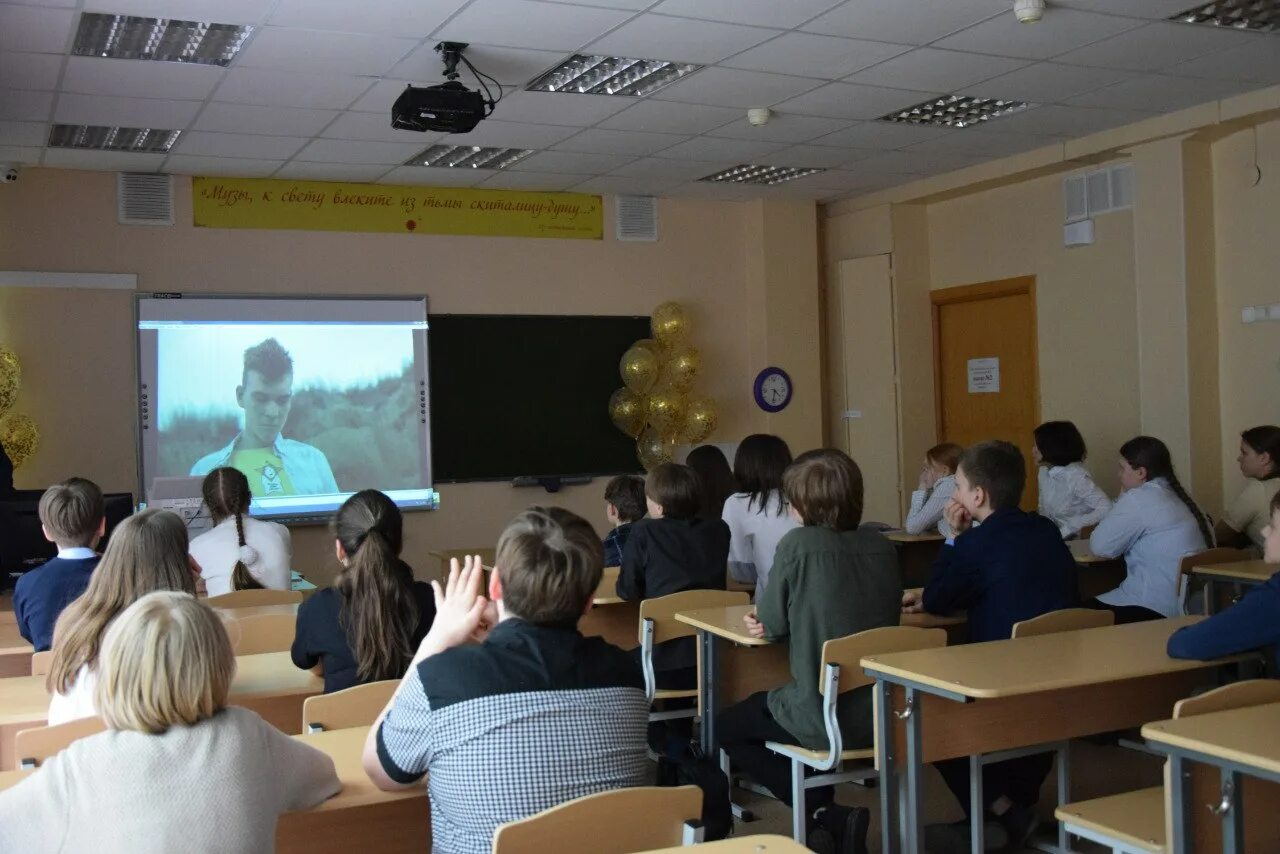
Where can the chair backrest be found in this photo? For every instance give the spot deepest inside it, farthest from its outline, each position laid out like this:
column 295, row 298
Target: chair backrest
column 847, row 652
column 40, row 662
column 663, row 609
column 1237, row 695
column 263, row 633
column 357, row 706
column 34, row 746
column 487, row 557
column 246, row 598
column 622, row 821
column 1066, row 620
column 1210, row 557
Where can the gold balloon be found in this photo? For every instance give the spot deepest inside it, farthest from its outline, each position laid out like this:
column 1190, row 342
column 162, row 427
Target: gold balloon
column 639, row 368
column 20, row 437
column 666, row 410
column 681, row 367
column 669, row 323
column 700, row 420
column 649, row 344
column 653, row 449
column 628, row 411
column 10, row 378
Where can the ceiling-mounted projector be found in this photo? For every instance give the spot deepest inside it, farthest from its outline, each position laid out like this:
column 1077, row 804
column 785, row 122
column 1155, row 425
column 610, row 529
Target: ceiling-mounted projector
column 447, row 107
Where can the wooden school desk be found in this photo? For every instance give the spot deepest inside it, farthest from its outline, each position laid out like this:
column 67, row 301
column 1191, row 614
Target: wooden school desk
column 987, row 698
column 259, row 610
column 1225, row 759
column 916, row 554
column 610, row 617
column 1095, row 574
column 268, row 684
column 15, row 652
column 1249, row 572
column 759, row 844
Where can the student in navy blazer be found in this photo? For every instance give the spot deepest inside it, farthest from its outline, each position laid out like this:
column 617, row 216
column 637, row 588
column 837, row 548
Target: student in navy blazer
column 1011, row 567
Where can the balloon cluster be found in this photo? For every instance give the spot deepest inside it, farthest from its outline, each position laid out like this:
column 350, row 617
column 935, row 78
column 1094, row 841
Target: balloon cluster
column 656, row 406
column 18, row 433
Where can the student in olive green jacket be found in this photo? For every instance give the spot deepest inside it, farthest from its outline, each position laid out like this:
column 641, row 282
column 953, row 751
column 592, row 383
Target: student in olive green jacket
column 830, row 579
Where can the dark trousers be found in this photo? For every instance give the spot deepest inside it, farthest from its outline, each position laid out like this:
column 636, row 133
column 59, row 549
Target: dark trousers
column 1125, row 613
column 1017, row 779
column 743, row 729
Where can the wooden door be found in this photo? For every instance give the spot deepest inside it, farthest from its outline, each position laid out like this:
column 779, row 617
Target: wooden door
column 987, row 372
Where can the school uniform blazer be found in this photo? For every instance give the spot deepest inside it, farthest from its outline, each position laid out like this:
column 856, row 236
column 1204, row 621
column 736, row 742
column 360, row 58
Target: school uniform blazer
column 1252, row 623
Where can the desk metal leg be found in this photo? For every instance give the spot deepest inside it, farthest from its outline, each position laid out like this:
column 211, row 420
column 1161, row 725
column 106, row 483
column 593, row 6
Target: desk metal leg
column 1232, row 812
column 1210, row 596
column 1064, row 791
column 885, row 757
column 1180, row 803
column 710, row 747
column 977, row 812
column 914, row 842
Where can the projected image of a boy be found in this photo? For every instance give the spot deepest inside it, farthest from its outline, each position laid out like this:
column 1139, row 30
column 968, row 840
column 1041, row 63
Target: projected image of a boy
column 274, row 465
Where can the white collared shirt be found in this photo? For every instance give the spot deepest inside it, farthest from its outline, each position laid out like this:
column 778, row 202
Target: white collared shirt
column 927, row 506
column 1070, row 499
column 76, row 553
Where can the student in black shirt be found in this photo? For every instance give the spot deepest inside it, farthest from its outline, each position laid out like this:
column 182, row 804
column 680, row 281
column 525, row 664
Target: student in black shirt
column 365, row 627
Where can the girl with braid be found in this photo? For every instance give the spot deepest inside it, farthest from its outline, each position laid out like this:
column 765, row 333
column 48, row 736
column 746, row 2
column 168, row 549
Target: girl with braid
column 1153, row 525
column 241, row 552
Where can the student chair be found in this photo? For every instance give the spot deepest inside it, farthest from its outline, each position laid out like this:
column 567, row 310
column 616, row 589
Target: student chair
column 40, row 662
column 262, row 633
column 352, row 707
column 623, row 821
column 1208, row 557
column 1066, row 620
column 658, row 624
column 34, row 746
column 250, row 598
column 840, row 673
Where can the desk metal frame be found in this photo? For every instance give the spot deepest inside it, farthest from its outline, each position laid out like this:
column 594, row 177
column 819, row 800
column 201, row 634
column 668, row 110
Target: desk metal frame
column 1231, row 808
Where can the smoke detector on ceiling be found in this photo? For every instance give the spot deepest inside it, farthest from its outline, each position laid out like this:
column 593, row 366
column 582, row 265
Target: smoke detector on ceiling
column 1028, row 11
column 759, row 116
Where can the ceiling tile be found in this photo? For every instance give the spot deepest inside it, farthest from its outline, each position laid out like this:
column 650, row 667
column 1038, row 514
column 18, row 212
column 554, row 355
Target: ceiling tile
column 1157, row 45
column 187, row 164
column 30, row 70
column 620, row 185
column 716, row 191
column 389, row 17
column 918, row 22
column 319, row 50
column 426, row 176
column 812, row 55
column 656, row 168
column 296, row 170
column 1060, row 31
column 23, row 133
column 671, row 117
column 140, row 78
column 679, row 39
column 882, row 135
column 310, row 90
column 347, row 151
column 929, row 69
column 569, row 162
column 1259, row 61
column 917, row 163
column 559, row 108
column 815, row 156
column 551, row 181
column 374, row 126
column 782, row 127
column 732, row 87
column 1160, row 93
column 601, row 141
column 1067, row 121
column 760, row 13
column 246, row 118
column 853, row 101
column 511, row 66
column 511, row 134
column 25, row 155
column 379, row 97
column 633, row 5
column 124, row 112
column 714, row 149
column 983, row 143
column 1046, row 82
column 525, row 24
column 205, row 143
column 35, row 29
column 1150, row 9
column 210, row 11
column 25, row 105
column 104, row 161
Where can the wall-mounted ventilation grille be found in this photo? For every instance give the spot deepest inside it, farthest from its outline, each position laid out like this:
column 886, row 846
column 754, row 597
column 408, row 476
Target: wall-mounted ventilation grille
column 637, row 218
column 1098, row 192
column 143, row 199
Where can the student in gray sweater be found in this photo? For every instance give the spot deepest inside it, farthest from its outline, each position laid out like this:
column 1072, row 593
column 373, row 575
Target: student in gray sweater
column 176, row 770
column 830, row 579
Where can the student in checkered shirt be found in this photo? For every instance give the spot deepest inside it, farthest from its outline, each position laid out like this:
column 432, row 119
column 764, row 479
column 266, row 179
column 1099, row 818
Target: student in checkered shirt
column 506, row 708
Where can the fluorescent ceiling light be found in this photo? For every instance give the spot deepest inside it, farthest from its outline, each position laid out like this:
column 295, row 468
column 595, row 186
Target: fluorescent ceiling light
column 955, row 111
column 468, row 156
column 113, row 139
column 767, row 175
column 1262, row 16
column 163, row 39
column 611, row 75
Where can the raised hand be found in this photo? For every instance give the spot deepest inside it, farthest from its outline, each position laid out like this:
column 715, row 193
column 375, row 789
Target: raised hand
column 460, row 608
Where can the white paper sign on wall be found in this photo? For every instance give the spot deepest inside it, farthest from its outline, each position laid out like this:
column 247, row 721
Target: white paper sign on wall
column 984, row 376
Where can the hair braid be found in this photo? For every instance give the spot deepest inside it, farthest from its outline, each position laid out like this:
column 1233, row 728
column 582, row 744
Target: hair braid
column 1186, row 499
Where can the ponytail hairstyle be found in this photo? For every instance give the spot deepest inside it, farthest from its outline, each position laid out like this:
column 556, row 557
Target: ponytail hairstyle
column 226, row 494
column 1149, row 453
column 1265, row 440
column 378, row 611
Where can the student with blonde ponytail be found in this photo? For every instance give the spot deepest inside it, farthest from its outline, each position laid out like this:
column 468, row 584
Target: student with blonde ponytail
column 240, row 552
column 367, row 626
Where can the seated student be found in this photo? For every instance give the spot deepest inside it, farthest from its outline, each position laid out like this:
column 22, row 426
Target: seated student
column 623, row 506
column 365, row 627
column 1247, row 625
column 531, row 716
column 672, row 551
column 1068, row 496
column 240, row 552
column 1012, row 567
column 71, row 516
column 715, row 478
column 172, row 750
column 1260, row 462
column 757, row 514
column 933, row 491
column 1153, row 525
column 147, row 552
column 830, row 579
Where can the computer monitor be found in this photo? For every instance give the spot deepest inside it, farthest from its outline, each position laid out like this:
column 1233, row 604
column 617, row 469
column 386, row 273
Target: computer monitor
column 24, row 547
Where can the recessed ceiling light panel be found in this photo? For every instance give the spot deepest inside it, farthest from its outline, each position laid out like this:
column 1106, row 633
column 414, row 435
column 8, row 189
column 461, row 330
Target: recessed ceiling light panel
column 955, row 111
column 611, row 75
column 468, row 157
column 1261, row 16
column 101, row 138
column 162, row 39
column 766, row 175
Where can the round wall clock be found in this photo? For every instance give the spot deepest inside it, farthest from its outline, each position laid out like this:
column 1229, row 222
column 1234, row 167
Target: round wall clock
column 773, row 389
